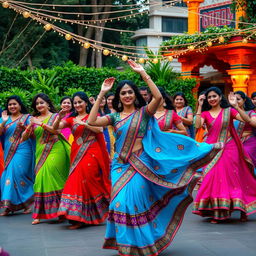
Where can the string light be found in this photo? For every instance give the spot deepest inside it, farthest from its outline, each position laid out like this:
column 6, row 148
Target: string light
column 209, row 43
column 124, row 58
column 26, row 14
column 48, row 27
column 106, row 52
column 141, row 60
column 6, row 4
column 68, row 37
column 221, row 39
column 170, row 58
column 86, row 45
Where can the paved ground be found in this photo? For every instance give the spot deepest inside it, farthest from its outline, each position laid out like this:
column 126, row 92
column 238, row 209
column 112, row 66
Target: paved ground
column 196, row 237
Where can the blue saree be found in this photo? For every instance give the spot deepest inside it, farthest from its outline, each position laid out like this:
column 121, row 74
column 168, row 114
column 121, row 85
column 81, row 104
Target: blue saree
column 151, row 188
column 18, row 175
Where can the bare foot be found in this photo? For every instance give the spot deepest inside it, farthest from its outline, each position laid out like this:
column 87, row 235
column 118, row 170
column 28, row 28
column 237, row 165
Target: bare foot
column 243, row 217
column 35, row 221
column 27, row 211
column 5, row 213
column 75, row 226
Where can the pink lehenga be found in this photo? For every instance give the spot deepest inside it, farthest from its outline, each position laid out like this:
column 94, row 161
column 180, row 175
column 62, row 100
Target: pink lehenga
column 228, row 181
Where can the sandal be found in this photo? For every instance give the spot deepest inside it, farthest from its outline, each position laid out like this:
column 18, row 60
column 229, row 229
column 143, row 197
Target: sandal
column 35, row 221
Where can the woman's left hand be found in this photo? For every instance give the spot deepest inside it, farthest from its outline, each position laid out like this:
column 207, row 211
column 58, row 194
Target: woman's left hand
column 232, row 100
column 135, row 66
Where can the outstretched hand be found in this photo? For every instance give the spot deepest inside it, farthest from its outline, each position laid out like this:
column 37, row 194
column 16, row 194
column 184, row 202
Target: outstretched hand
column 4, row 116
column 135, row 66
column 232, row 100
column 107, row 84
column 62, row 113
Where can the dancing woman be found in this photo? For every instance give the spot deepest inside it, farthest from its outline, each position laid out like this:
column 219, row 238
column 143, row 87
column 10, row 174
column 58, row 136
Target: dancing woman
column 246, row 131
column 86, row 195
column 185, row 112
column 166, row 116
column 52, row 159
column 228, row 182
column 150, row 188
column 17, row 177
column 66, row 104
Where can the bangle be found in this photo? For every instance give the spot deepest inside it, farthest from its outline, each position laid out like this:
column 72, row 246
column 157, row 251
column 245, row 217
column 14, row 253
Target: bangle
column 146, row 78
column 42, row 125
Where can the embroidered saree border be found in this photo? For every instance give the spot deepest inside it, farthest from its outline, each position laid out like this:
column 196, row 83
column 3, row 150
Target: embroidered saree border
column 48, row 145
column 145, row 171
column 16, row 207
column 222, row 138
column 122, row 181
column 93, row 210
column 167, row 121
column 16, row 139
column 140, row 219
column 162, row 243
column 211, row 206
column 131, row 136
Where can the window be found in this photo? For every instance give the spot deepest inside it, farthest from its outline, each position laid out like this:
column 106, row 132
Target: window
column 140, row 42
column 175, row 25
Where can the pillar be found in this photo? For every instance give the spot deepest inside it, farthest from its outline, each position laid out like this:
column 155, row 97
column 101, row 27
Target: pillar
column 240, row 79
column 193, row 15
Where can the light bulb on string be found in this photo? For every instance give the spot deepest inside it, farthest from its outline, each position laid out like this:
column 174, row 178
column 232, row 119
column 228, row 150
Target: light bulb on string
column 245, row 41
column 221, row 39
column 209, row 43
column 86, row 45
column 106, row 52
column 124, row 57
column 26, row 14
column 5, row 4
column 48, row 27
column 141, row 60
column 155, row 60
column 68, row 37
column 170, row 58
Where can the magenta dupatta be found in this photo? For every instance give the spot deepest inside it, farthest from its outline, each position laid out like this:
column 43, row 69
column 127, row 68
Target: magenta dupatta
column 219, row 130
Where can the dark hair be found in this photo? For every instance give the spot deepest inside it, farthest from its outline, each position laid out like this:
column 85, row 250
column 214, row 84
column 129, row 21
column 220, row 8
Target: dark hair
column 144, row 88
column 23, row 109
column 140, row 101
column 44, row 97
column 106, row 110
column 253, row 95
column 223, row 102
column 182, row 95
column 248, row 105
column 71, row 100
column 166, row 98
column 109, row 94
column 84, row 97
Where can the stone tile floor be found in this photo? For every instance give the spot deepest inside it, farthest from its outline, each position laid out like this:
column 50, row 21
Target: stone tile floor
column 196, row 237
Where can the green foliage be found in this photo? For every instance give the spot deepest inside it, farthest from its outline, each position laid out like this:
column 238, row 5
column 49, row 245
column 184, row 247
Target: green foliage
column 163, row 75
column 211, row 33
column 23, row 94
column 70, row 78
column 250, row 8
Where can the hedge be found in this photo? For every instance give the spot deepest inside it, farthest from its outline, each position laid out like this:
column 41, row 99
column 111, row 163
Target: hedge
column 73, row 76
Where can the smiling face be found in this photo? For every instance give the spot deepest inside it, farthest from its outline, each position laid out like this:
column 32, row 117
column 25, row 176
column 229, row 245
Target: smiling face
column 14, row 107
column 213, row 99
column 254, row 101
column 240, row 100
column 66, row 104
column 127, row 95
column 41, row 105
column 79, row 105
column 109, row 101
column 179, row 102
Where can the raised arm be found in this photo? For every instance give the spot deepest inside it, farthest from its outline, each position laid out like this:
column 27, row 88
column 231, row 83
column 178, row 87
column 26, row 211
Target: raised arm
column 93, row 119
column 156, row 95
column 199, row 120
column 58, row 124
column 4, row 120
column 241, row 116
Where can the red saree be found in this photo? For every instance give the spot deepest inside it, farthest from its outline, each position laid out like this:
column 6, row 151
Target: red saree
column 86, row 194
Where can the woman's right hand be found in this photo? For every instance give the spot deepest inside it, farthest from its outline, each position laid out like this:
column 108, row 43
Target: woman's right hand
column 107, row 84
column 4, row 116
column 62, row 113
column 201, row 100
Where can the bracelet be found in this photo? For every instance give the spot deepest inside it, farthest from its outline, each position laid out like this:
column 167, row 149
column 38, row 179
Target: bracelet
column 146, row 78
column 42, row 125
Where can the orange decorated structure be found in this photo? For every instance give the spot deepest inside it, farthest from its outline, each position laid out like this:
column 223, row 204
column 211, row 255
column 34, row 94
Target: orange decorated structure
column 234, row 60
